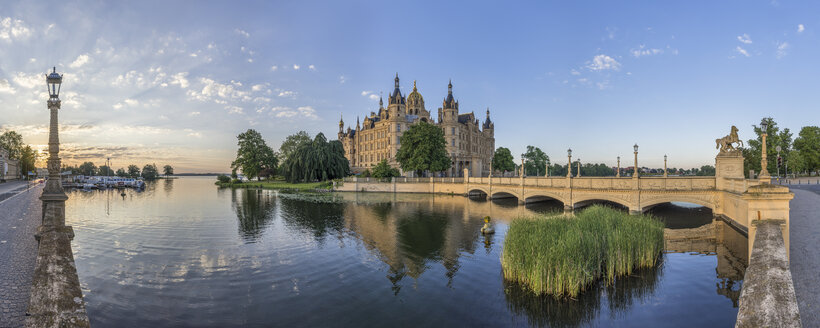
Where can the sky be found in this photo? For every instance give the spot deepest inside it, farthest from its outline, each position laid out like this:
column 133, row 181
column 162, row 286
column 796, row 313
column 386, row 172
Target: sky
column 174, row 82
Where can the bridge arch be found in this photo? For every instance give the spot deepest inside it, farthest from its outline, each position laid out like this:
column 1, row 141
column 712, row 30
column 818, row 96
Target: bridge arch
column 649, row 204
column 540, row 196
column 587, row 199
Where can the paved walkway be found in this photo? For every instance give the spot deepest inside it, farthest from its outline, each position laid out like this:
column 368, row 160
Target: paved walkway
column 804, row 253
column 20, row 215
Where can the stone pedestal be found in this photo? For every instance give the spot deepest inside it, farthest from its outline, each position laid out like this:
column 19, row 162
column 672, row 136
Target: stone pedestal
column 728, row 166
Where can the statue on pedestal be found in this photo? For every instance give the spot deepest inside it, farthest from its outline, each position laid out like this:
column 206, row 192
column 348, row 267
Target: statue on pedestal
column 725, row 143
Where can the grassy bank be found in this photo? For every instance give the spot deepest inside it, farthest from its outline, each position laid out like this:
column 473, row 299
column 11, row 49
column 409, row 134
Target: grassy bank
column 278, row 184
column 561, row 255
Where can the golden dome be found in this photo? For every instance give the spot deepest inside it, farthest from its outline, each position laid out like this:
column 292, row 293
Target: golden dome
column 415, row 97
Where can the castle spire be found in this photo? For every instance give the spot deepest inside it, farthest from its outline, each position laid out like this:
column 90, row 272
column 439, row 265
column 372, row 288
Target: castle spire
column 414, row 86
column 450, row 87
column 381, row 101
column 397, row 80
column 341, row 123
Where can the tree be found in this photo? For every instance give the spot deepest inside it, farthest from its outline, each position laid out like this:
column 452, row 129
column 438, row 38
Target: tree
column 808, row 145
column 150, row 172
column 291, row 143
column 88, row 169
column 28, row 157
column 535, row 161
column 253, row 154
column 794, row 163
column 105, row 170
column 133, row 171
column 13, row 142
column 503, row 160
column 775, row 137
column 121, row 173
column 168, row 170
column 318, row 160
column 706, row 170
column 423, row 149
column 384, row 170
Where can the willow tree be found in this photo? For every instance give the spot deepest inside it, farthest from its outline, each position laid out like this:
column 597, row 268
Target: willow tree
column 318, row 160
column 423, row 149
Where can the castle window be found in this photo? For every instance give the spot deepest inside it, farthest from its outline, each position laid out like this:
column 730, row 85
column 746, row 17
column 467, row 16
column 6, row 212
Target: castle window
column 398, row 127
column 452, row 130
column 453, row 142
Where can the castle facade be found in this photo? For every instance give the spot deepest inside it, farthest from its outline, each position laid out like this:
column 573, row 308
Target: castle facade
column 470, row 143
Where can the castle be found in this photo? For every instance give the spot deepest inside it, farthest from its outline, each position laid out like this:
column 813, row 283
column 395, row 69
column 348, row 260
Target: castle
column 470, row 144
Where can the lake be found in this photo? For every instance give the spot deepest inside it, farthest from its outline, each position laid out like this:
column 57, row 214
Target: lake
column 185, row 253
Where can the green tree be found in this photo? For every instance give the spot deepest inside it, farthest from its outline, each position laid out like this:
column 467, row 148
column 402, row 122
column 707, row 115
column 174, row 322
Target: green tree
column 808, row 144
column 133, row 171
column 794, row 163
column 88, row 169
column 291, row 143
column 503, row 160
column 13, row 142
column 535, row 161
column 28, row 157
column 105, row 170
column 167, row 170
column 706, row 170
column 318, row 160
column 775, row 137
column 121, row 173
column 253, row 154
column 423, row 149
column 384, row 170
column 150, row 172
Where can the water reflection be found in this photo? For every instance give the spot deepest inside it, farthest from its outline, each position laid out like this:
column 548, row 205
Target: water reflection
column 316, row 214
column 253, row 208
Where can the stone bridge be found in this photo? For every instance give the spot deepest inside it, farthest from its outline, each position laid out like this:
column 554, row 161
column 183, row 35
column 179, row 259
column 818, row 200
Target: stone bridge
column 728, row 194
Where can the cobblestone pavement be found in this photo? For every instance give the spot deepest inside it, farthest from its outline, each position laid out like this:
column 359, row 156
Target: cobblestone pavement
column 10, row 188
column 19, row 217
column 804, row 257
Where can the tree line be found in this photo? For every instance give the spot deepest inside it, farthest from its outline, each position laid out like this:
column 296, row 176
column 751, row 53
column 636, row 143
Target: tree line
column 798, row 155
column 148, row 172
column 24, row 154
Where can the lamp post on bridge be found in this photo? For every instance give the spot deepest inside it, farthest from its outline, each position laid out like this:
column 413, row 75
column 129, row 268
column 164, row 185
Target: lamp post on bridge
column 579, row 167
column 547, row 173
column 53, row 196
column 635, row 175
column 522, row 166
column 569, row 163
column 619, row 168
column 764, row 173
column 664, row 166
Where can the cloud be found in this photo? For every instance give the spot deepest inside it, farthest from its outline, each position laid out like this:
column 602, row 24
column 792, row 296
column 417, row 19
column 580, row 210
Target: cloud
column 131, row 102
column 574, row 72
column 342, row 79
column 28, row 81
column 742, row 51
column 800, row 28
column 643, row 51
column 257, row 87
column 242, row 33
column 180, row 79
column 193, row 114
column 286, row 93
column 274, row 68
column 234, row 109
column 370, row 94
column 80, row 61
column 5, row 87
column 13, row 29
column 603, row 62
column 311, row 67
column 744, row 38
column 782, row 49
column 296, row 67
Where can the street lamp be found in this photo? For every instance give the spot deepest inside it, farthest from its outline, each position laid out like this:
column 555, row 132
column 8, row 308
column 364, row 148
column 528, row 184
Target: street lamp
column 635, row 175
column 664, row 165
column 522, row 166
column 579, row 167
column 778, row 162
column 547, row 173
column 569, row 163
column 619, row 167
column 53, row 196
column 764, row 173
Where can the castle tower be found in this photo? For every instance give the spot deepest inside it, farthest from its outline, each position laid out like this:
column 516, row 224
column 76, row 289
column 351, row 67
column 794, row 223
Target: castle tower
column 415, row 104
column 450, row 105
column 341, row 127
column 396, row 102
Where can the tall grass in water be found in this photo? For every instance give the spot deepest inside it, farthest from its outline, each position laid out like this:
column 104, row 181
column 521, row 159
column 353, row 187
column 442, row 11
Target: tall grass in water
column 561, row 255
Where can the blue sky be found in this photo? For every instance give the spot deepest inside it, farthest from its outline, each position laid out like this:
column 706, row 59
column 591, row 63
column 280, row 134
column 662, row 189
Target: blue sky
column 175, row 82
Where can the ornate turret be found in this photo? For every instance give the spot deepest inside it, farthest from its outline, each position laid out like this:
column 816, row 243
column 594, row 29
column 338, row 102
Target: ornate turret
column 396, row 97
column 488, row 124
column 415, row 102
column 450, row 102
column 357, row 124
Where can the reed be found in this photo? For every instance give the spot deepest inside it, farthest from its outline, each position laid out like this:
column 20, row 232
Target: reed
column 562, row 256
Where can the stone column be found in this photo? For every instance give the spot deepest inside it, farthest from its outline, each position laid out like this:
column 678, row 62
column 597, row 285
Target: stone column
column 618, row 174
column 53, row 196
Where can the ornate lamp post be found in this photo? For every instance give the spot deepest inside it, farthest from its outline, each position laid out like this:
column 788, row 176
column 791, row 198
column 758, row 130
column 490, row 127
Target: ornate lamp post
column 635, row 175
column 778, row 148
column 619, row 167
column 522, row 166
column 547, row 174
column 579, row 167
column 764, row 173
column 569, row 163
column 53, row 196
column 664, row 166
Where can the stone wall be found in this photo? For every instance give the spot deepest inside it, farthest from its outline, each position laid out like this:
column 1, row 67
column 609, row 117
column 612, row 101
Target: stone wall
column 767, row 298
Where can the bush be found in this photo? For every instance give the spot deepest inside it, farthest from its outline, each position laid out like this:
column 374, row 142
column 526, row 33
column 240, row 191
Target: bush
column 223, row 178
column 562, row 255
column 236, row 181
column 366, row 173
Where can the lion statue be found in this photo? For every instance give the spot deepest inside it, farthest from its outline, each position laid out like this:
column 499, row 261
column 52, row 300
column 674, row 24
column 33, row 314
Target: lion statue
column 725, row 143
